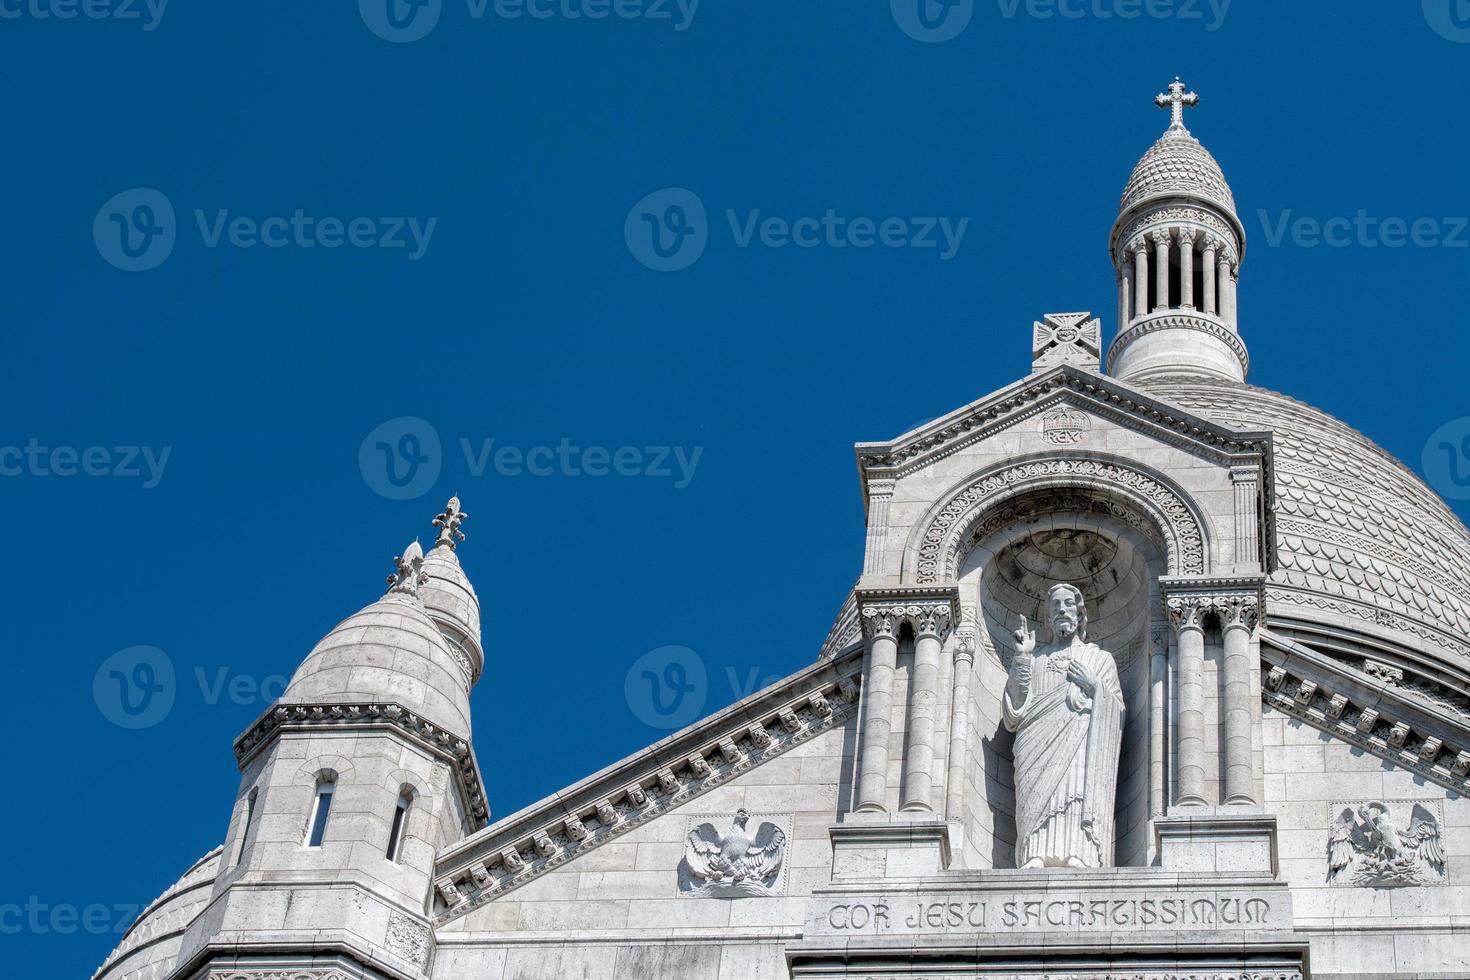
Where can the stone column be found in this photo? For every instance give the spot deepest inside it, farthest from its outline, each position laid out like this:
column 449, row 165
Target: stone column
column 1158, row 702
column 1186, row 269
column 1187, row 615
column 1208, row 270
column 880, row 629
column 1161, row 273
column 931, row 622
column 1227, row 290
column 959, row 724
column 1125, row 296
column 1140, row 277
column 1238, row 616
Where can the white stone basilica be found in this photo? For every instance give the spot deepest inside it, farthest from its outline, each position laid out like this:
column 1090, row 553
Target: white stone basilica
column 1148, row 674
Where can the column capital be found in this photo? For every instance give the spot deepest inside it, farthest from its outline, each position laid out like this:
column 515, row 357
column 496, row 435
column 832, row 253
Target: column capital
column 1160, row 236
column 965, row 642
column 1139, row 246
column 1237, row 600
column 929, row 610
column 1187, row 236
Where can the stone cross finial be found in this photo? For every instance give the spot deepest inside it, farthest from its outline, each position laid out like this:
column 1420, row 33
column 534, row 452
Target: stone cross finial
column 1066, row 338
column 410, row 574
column 448, row 524
column 1175, row 101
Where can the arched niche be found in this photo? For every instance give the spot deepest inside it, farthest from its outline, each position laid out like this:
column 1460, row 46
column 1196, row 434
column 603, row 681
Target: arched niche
column 1115, row 554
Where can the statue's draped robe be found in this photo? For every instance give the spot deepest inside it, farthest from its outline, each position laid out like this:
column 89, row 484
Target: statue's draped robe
column 1067, row 759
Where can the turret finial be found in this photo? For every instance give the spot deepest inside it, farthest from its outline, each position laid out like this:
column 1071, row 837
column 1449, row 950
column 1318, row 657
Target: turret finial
column 410, row 574
column 448, row 524
column 1176, row 100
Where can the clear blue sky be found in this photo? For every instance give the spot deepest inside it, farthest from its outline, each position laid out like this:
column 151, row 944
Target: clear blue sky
column 526, row 318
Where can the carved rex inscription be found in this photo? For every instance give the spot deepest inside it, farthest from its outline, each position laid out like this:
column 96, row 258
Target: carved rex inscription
column 1042, row 912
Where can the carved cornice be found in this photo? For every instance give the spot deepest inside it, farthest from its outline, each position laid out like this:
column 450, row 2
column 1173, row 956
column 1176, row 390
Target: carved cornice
column 1180, row 320
column 1358, row 709
column 439, row 742
column 1105, row 397
column 1199, row 217
column 564, row 826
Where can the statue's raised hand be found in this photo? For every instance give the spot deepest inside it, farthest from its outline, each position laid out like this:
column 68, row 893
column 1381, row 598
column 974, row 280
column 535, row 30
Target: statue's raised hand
column 1025, row 640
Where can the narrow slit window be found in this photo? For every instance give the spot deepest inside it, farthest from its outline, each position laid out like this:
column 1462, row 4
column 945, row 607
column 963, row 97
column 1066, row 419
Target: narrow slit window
column 400, row 817
column 320, row 813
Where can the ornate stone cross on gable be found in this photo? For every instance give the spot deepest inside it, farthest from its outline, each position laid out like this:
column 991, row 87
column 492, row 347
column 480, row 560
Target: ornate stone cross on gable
column 1175, row 101
column 1066, row 338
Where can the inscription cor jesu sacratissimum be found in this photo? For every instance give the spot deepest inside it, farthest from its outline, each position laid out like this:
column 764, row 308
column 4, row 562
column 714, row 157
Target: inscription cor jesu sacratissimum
column 1049, row 914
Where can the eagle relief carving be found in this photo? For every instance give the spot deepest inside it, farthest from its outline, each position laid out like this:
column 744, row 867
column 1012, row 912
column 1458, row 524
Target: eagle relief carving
column 1372, row 845
column 733, row 860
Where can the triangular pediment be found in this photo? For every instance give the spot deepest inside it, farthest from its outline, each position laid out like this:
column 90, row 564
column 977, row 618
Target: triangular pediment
column 1054, row 394
column 660, row 779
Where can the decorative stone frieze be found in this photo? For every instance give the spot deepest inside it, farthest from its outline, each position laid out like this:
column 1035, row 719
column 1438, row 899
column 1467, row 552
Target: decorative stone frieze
column 781, row 726
column 1127, row 406
column 448, row 747
column 939, row 549
column 1399, row 740
column 1195, row 320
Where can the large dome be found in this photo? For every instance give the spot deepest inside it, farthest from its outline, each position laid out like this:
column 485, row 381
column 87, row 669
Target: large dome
column 1362, row 543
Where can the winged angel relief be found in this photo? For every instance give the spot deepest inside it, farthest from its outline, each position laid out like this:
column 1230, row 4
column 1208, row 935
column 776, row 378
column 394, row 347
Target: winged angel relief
column 735, row 864
column 1368, row 848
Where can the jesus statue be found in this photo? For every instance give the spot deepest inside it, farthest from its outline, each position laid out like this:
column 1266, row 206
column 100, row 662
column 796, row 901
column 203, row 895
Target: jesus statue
column 1064, row 703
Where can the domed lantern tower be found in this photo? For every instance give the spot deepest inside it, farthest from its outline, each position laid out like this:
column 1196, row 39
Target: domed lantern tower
column 1177, row 247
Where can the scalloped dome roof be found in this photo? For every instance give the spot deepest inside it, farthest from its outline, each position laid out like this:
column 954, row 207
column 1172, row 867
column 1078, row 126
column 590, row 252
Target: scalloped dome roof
column 388, row 652
column 1177, row 165
column 1361, row 541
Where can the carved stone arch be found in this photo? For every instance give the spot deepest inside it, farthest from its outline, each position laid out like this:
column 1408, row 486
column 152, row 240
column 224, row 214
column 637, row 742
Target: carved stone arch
column 937, row 545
